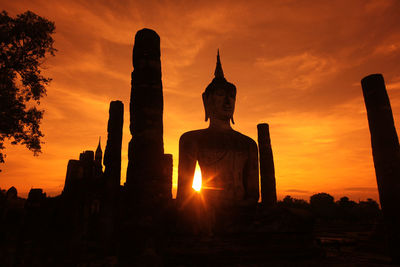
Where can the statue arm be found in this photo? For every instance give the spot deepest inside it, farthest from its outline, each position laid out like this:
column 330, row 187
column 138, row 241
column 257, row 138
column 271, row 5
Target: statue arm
column 251, row 175
column 186, row 168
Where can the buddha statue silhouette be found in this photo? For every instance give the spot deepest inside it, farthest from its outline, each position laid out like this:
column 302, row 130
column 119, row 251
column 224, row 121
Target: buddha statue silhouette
column 228, row 159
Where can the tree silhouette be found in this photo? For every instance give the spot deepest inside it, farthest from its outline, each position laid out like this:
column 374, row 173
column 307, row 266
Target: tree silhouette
column 347, row 209
column 289, row 202
column 345, row 202
column 25, row 41
column 368, row 209
column 323, row 205
column 321, row 199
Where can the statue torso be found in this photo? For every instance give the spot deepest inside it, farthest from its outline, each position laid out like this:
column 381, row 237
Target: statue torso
column 222, row 156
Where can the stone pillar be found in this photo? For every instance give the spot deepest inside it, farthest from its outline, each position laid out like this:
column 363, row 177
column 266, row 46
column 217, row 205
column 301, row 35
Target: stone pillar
column 267, row 170
column 167, row 171
column 385, row 151
column 112, row 154
column 146, row 149
column 87, row 160
column 75, row 174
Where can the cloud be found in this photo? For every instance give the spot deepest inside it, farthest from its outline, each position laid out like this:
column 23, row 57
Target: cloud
column 298, row 191
column 361, row 189
column 298, row 72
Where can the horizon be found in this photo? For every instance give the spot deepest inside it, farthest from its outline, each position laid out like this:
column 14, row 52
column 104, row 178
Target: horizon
column 296, row 67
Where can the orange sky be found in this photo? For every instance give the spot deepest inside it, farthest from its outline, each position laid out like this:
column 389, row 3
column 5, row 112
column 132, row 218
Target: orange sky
column 297, row 66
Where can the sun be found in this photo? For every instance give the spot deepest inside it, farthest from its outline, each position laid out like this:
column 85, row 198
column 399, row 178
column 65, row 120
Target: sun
column 197, row 178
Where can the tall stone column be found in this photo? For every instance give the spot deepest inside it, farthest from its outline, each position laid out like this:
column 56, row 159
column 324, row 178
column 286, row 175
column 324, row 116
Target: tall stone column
column 267, row 170
column 386, row 154
column 167, row 172
column 146, row 149
column 146, row 211
column 109, row 218
column 112, row 154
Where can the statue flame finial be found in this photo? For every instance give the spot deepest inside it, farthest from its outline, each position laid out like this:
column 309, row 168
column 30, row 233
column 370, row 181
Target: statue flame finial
column 219, row 73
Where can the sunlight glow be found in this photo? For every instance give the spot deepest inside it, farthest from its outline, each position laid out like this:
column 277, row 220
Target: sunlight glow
column 197, row 178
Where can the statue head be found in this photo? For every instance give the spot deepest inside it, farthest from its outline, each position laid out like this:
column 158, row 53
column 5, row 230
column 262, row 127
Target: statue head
column 220, row 96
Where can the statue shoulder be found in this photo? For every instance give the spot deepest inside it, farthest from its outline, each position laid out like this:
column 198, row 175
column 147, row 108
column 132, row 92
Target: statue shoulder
column 247, row 140
column 191, row 136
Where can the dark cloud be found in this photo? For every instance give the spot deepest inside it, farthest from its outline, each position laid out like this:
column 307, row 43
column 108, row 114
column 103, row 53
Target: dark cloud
column 298, row 191
column 361, row 189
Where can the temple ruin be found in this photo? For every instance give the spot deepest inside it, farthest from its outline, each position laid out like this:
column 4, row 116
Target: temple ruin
column 139, row 224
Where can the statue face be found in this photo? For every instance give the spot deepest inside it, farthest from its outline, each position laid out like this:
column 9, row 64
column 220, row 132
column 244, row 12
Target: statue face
column 222, row 103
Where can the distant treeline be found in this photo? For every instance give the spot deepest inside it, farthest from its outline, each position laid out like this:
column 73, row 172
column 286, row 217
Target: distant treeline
column 321, row 205
column 324, row 206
